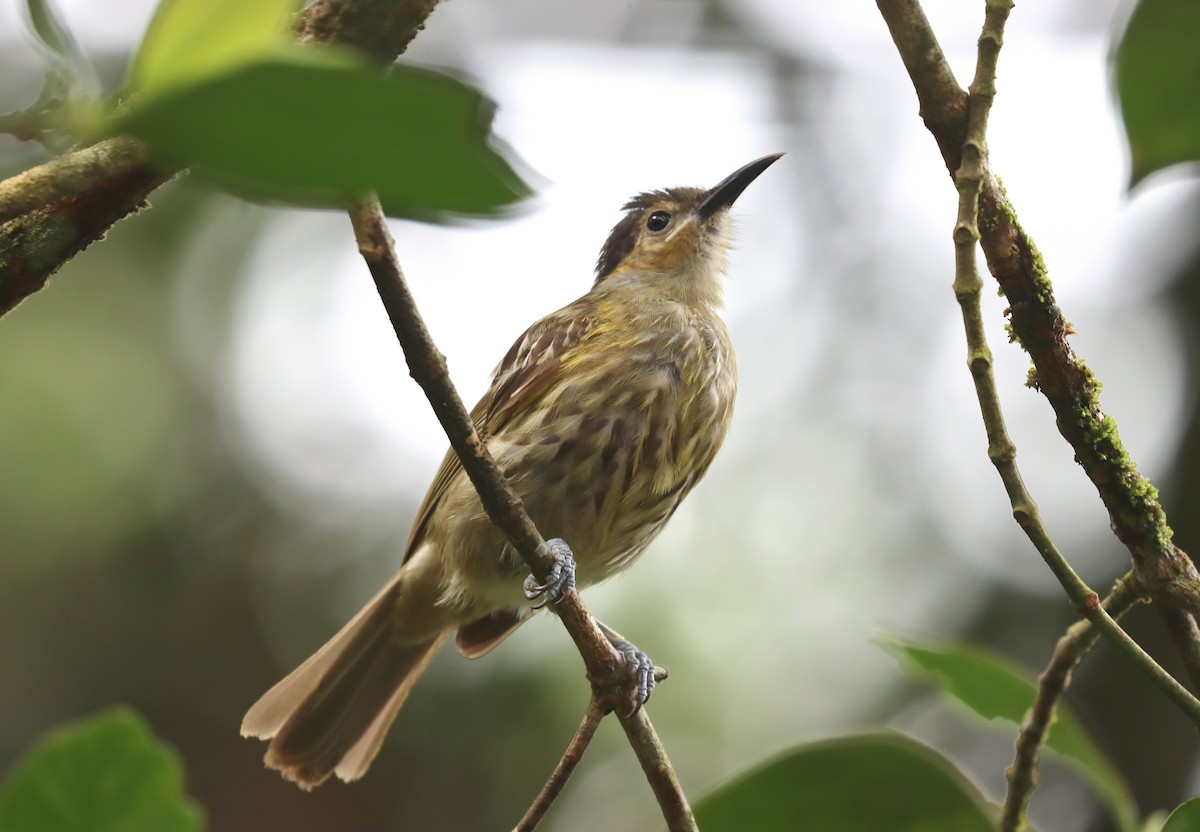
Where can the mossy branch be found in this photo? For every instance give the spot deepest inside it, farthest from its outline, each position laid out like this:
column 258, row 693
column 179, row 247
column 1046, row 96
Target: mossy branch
column 1164, row 571
column 967, row 288
column 67, row 175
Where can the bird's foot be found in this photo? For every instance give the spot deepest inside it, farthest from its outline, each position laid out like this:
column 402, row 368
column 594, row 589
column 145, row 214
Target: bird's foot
column 561, row 579
column 641, row 674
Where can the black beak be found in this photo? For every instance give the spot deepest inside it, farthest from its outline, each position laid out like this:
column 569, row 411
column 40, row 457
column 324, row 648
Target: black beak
column 731, row 187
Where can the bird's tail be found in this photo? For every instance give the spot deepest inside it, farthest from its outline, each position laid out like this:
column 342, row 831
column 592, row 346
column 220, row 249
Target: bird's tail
column 330, row 715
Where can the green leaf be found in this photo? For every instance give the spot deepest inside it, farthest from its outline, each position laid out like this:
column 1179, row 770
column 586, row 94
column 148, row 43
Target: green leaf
column 1185, row 818
column 850, row 784
column 1158, row 84
column 104, row 774
column 309, row 129
column 53, row 34
column 190, row 39
column 995, row 688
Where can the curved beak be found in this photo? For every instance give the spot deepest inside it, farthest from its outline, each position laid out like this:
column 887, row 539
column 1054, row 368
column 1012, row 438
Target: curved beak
column 731, row 187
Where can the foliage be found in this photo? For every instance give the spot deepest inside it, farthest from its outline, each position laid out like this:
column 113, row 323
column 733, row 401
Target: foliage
column 188, row 41
column 1158, row 84
column 413, row 136
column 1186, row 818
column 994, row 688
column 849, row 784
column 104, row 774
column 220, row 88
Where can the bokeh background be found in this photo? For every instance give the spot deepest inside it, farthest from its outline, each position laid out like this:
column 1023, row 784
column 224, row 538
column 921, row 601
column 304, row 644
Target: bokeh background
column 210, row 450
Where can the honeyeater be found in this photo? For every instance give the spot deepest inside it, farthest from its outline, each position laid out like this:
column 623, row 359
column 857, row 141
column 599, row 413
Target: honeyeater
column 603, row 416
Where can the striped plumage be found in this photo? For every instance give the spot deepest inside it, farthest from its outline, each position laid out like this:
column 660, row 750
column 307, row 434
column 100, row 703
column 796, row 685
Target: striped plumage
column 604, row 415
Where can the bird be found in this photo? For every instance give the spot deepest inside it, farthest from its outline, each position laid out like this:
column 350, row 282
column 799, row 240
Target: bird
column 603, row 415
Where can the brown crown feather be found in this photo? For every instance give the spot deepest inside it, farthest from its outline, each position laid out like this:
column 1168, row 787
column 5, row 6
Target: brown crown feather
column 625, row 233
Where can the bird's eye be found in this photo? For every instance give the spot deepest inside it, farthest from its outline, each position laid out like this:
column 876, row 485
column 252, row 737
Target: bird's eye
column 658, row 221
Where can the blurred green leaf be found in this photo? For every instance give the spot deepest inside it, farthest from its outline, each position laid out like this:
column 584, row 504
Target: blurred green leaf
column 995, row 688
column 1185, row 818
column 104, row 774
column 72, row 78
column 1158, row 84
column 851, row 784
column 51, row 31
column 189, row 39
column 309, row 129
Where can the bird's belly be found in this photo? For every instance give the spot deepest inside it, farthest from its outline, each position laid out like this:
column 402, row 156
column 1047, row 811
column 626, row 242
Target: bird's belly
column 605, row 481
column 604, row 475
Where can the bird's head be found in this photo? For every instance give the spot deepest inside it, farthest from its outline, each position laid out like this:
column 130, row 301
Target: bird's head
column 674, row 242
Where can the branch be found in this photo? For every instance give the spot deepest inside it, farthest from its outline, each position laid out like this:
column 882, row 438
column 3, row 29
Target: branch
column 1164, row 570
column 68, row 174
column 967, row 288
column 562, row 772
column 657, row 768
column 381, row 28
column 1181, row 627
column 428, row 368
column 1079, row 639
column 37, row 244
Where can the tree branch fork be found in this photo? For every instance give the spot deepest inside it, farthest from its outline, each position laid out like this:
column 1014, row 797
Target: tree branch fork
column 958, row 122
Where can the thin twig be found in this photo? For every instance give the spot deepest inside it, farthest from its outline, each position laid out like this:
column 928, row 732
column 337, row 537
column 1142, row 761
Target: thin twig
column 562, row 772
column 657, row 767
column 967, row 288
column 1181, row 627
column 1079, row 639
column 1164, row 570
column 428, row 368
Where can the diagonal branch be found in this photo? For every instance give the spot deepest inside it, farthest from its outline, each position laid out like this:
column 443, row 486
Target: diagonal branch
column 1079, row 639
column 68, row 174
column 1181, row 627
column 1163, row 569
column 657, row 767
column 36, row 244
column 562, row 772
column 428, row 368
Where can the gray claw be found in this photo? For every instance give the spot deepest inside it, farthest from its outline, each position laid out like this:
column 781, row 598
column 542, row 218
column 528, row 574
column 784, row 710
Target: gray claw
column 561, row 579
column 638, row 664
column 641, row 668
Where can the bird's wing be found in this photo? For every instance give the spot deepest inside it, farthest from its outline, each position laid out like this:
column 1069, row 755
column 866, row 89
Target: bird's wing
column 531, row 365
column 526, row 371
